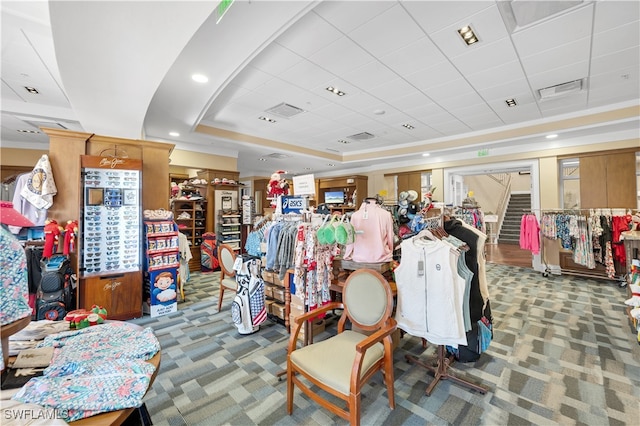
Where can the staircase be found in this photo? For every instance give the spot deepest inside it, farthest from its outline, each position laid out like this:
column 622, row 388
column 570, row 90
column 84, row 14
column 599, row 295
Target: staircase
column 510, row 230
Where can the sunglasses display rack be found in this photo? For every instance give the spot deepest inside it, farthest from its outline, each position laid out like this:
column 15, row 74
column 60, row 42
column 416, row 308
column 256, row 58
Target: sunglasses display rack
column 110, row 236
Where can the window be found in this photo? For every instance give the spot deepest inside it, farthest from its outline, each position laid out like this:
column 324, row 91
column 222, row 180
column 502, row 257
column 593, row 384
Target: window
column 570, row 183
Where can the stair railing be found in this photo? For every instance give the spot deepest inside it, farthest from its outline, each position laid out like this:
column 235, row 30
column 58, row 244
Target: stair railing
column 503, row 204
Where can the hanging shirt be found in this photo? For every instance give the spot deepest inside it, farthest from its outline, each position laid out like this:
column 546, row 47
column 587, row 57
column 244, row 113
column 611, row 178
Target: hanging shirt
column 40, row 187
column 28, row 210
column 374, row 235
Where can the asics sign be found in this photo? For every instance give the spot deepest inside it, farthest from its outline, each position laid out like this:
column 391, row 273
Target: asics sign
column 293, row 204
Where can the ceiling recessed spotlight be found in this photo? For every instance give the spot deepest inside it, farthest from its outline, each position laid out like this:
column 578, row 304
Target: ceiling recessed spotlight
column 467, row 34
column 336, row 91
column 175, row 134
column 199, row 78
column 408, row 126
column 270, row 120
column 308, row 168
column 551, row 136
column 28, row 131
column 32, row 90
column 426, row 154
column 262, row 159
column 343, row 141
column 331, row 165
column 511, row 102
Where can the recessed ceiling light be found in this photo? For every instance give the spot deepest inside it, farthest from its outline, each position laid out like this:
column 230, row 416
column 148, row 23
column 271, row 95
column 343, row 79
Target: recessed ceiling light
column 28, row 131
column 308, row 168
column 32, row 90
column 270, row 120
column 331, row 165
column 174, row 134
column 426, row 154
column 408, row 126
column 336, row 91
column 262, row 159
column 467, row 34
column 551, row 136
column 343, row 141
column 199, row 78
column 511, row 102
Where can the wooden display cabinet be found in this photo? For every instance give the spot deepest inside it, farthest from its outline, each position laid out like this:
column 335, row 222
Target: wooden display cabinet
column 119, row 294
column 348, row 184
column 193, row 227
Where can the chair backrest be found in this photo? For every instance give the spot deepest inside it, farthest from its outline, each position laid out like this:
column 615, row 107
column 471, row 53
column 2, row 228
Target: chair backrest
column 367, row 299
column 227, row 258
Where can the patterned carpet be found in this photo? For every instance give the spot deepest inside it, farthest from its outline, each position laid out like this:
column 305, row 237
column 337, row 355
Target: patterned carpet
column 563, row 353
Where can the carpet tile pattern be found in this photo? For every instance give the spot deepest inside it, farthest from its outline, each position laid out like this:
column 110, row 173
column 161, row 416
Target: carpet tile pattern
column 563, row 354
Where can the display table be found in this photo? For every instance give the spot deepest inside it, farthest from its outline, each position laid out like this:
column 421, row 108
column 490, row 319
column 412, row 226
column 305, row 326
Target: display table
column 9, row 330
column 116, row 418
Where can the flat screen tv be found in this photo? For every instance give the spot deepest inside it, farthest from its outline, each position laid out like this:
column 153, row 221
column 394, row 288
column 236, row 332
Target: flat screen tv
column 334, row 197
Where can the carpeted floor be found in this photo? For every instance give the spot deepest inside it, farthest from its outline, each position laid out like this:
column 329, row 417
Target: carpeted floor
column 563, row 353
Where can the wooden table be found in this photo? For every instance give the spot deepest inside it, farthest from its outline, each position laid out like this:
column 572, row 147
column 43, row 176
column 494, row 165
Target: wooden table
column 9, row 330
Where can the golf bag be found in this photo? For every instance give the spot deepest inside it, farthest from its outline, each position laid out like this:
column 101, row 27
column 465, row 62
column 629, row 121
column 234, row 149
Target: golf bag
column 248, row 310
column 55, row 291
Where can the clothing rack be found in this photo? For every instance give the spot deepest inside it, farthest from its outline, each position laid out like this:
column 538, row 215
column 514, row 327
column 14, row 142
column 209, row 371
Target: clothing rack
column 443, row 362
column 583, row 212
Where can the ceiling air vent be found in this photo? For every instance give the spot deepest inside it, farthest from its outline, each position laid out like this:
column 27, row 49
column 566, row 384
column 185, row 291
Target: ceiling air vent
column 285, row 110
column 361, row 136
column 278, row 155
column 49, row 124
column 560, row 89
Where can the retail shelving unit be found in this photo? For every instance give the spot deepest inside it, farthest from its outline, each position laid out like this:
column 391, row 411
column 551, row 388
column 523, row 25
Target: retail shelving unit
column 161, row 267
column 190, row 215
column 229, row 231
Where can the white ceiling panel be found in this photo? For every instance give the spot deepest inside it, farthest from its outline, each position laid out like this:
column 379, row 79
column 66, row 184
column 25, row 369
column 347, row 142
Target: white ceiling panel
column 414, row 57
column 392, row 90
column 508, row 75
column 275, row 59
column 433, row 76
column 251, row 77
column 624, row 37
column 522, row 112
column 563, row 55
column 452, row 89
column 489, row 55
column 309, row 35
column 370, row 75
column 306, row 75
column 348, row 15
column 560, row 75
column 554, row 32
column 613, row 14
column 341, row 56
column 435, row 15
column 621, row 59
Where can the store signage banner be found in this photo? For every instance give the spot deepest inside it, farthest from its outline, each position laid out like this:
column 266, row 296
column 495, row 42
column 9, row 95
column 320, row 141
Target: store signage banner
column 293, row 204
column 304, row 185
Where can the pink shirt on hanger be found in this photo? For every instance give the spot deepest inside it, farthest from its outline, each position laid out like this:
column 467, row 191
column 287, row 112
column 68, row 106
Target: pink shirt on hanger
column 374, row 234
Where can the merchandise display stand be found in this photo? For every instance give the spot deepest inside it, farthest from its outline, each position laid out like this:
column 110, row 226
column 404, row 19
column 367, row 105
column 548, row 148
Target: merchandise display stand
column 162, row 285
column 441, row 371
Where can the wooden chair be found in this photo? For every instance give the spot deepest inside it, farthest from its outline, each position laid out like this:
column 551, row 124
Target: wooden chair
column 342, row 364
column 227, row 258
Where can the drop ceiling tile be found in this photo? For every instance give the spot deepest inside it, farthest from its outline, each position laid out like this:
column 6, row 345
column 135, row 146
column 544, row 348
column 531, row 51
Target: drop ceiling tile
column 353, row 119
column 306, row 75
column 497, row 103
column 554, row 32
column 374, row 36
column 412, row 100
column 466, row 100
column 449, row 128
column 370, row 75
column 617, row 85
column 359, row 102
column 433, row 16
column 250, row 78
column 437, row 75
column 392, row 90
column 613, row 14
column 559, row 75
column 333, row 111
column 426, row 110
column 308, row 35
column 424, row 131
column 620, row 59
column 563, row 55
column 414, row 57
column 623, row 37
column 493, row 56
column 508, row 74
column 275, row 59
column 482, row 121
column 348, row 15
column 341, row 56
column 453, row 89
column 520, row 113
